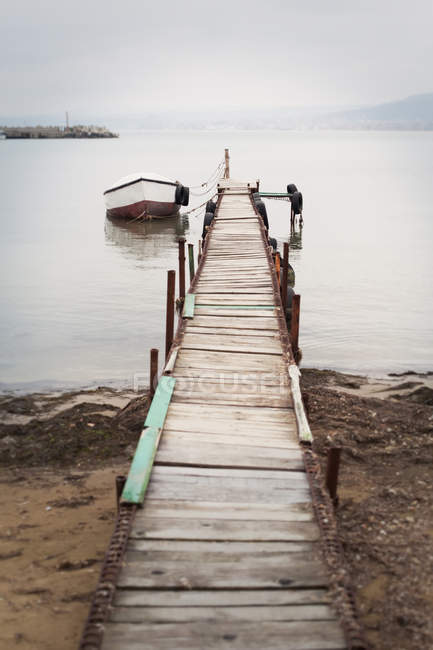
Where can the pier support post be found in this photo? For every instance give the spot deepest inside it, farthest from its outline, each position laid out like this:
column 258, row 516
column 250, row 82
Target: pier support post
column 200, row 251
column 182, row 267
column 153, row 380
column 169, row 320
column 120, row 484
column 227, row 163
column 191, row 262
column 278, row 267
column 294, row 327
column 284, row 282
column 332, row 470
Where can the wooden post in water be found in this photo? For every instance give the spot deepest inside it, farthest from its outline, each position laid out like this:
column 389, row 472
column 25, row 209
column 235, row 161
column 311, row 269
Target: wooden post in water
column 153, row 380
column 227, row 163
column 169, row 319
column 284, row 282
column 191, row 262
column 332, row 469
column 294, row 327
column 182, row 267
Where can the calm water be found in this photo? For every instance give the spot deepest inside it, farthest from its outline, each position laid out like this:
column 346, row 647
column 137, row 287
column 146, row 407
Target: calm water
column 83, row 299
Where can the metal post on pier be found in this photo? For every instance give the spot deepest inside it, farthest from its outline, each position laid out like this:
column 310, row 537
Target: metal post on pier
column 169, row 321
column 227, row 163
column 153, row 379
column 332, row 470
column 191, row 262
column 284, row 282
column 182, row 267
column 294, row 325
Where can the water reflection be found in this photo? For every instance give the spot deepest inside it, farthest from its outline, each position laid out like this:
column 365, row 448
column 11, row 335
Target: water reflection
column 144, row 239
column 295, row 240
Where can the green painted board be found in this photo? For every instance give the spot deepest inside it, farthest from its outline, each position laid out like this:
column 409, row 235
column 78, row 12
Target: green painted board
column 206, row 304
column 188, row 305
column 142, row 463
column 141, row 466
column 161, row 400
column 274, row 194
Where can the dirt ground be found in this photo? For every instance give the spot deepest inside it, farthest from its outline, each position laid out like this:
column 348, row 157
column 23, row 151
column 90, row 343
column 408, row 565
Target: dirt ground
column 60, row 453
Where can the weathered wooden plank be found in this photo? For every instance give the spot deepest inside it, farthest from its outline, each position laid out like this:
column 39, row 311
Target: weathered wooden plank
column 256, row 342
column 223, row 614
column 275, row 635
column 257, row 439
column 233, row 321
column 231, row 399
column 218, row 454
column 232, row 331
column 221, row 598
column 221, row 529
column 235, row 415
column 188, row 306
column 228, row 511
column 271, row 574
column 141, row 467
column 226, row 361
column 238, row 312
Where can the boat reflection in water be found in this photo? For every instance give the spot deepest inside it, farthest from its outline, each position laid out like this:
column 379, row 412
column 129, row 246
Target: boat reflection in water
column 144, row 240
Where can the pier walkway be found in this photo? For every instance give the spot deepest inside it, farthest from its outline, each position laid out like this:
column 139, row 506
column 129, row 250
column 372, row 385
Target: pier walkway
column 226, row 551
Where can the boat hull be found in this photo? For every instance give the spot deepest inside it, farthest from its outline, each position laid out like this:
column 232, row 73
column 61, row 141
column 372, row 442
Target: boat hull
column 142, row 198
column 145, row 210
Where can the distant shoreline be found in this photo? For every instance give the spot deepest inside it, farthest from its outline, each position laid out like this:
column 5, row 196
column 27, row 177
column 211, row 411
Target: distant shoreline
column 54, row 132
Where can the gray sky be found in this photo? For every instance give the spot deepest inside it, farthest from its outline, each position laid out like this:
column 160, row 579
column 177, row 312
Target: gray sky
column 134, row 56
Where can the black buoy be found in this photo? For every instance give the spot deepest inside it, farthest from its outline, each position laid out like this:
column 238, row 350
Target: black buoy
column 291, row 188
column 261, row 209
column 206, row 223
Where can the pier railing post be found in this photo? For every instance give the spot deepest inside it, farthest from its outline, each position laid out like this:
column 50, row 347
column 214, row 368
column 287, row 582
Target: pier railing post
column 200, row 251
column 182, row 267
column 191, row 262
column 284, row 283
column 169, row 321
column 332, row 470
column 153, row 371
column 227, row 163
column 294, row 326
column 278, row 267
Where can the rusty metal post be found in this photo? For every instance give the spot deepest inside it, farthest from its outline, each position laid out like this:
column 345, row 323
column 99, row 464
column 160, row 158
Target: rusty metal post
column 332, row 469
column 191, row 262
column 284, row 282
column 120, row 484
column 294, row 325
column 169, row 319
column 182, row 267
column 153, row 371
column 227, row 163
column 278, row 266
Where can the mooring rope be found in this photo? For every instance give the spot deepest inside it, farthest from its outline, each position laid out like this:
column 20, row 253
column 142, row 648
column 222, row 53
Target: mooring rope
column 211, row 178
column 184, row 214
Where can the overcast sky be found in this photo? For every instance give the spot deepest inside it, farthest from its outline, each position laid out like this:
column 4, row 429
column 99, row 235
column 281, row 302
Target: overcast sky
column 134, row 56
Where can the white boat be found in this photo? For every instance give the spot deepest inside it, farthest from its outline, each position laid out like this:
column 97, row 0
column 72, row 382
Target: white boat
column 145, row 195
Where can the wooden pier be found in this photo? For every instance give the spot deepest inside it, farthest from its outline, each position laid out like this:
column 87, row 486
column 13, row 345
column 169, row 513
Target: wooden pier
column 224, row 547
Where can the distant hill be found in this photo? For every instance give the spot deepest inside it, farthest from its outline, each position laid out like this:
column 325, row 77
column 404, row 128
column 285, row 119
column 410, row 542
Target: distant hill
column 414, row 112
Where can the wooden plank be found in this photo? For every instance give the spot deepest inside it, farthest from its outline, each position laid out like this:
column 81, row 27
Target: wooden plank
column 229, row 511
column 225, row 361
column 275, row 635
column 232, row 331
column 188, row 306
column 223, row 614
column 253, row 379
column 263, row 417
column 217, row 454
column 222, row 529
column 262, row 439
column 196, row 574
column 258, row 343
column 241, row 398
column 141, row 466
column 238, row 312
